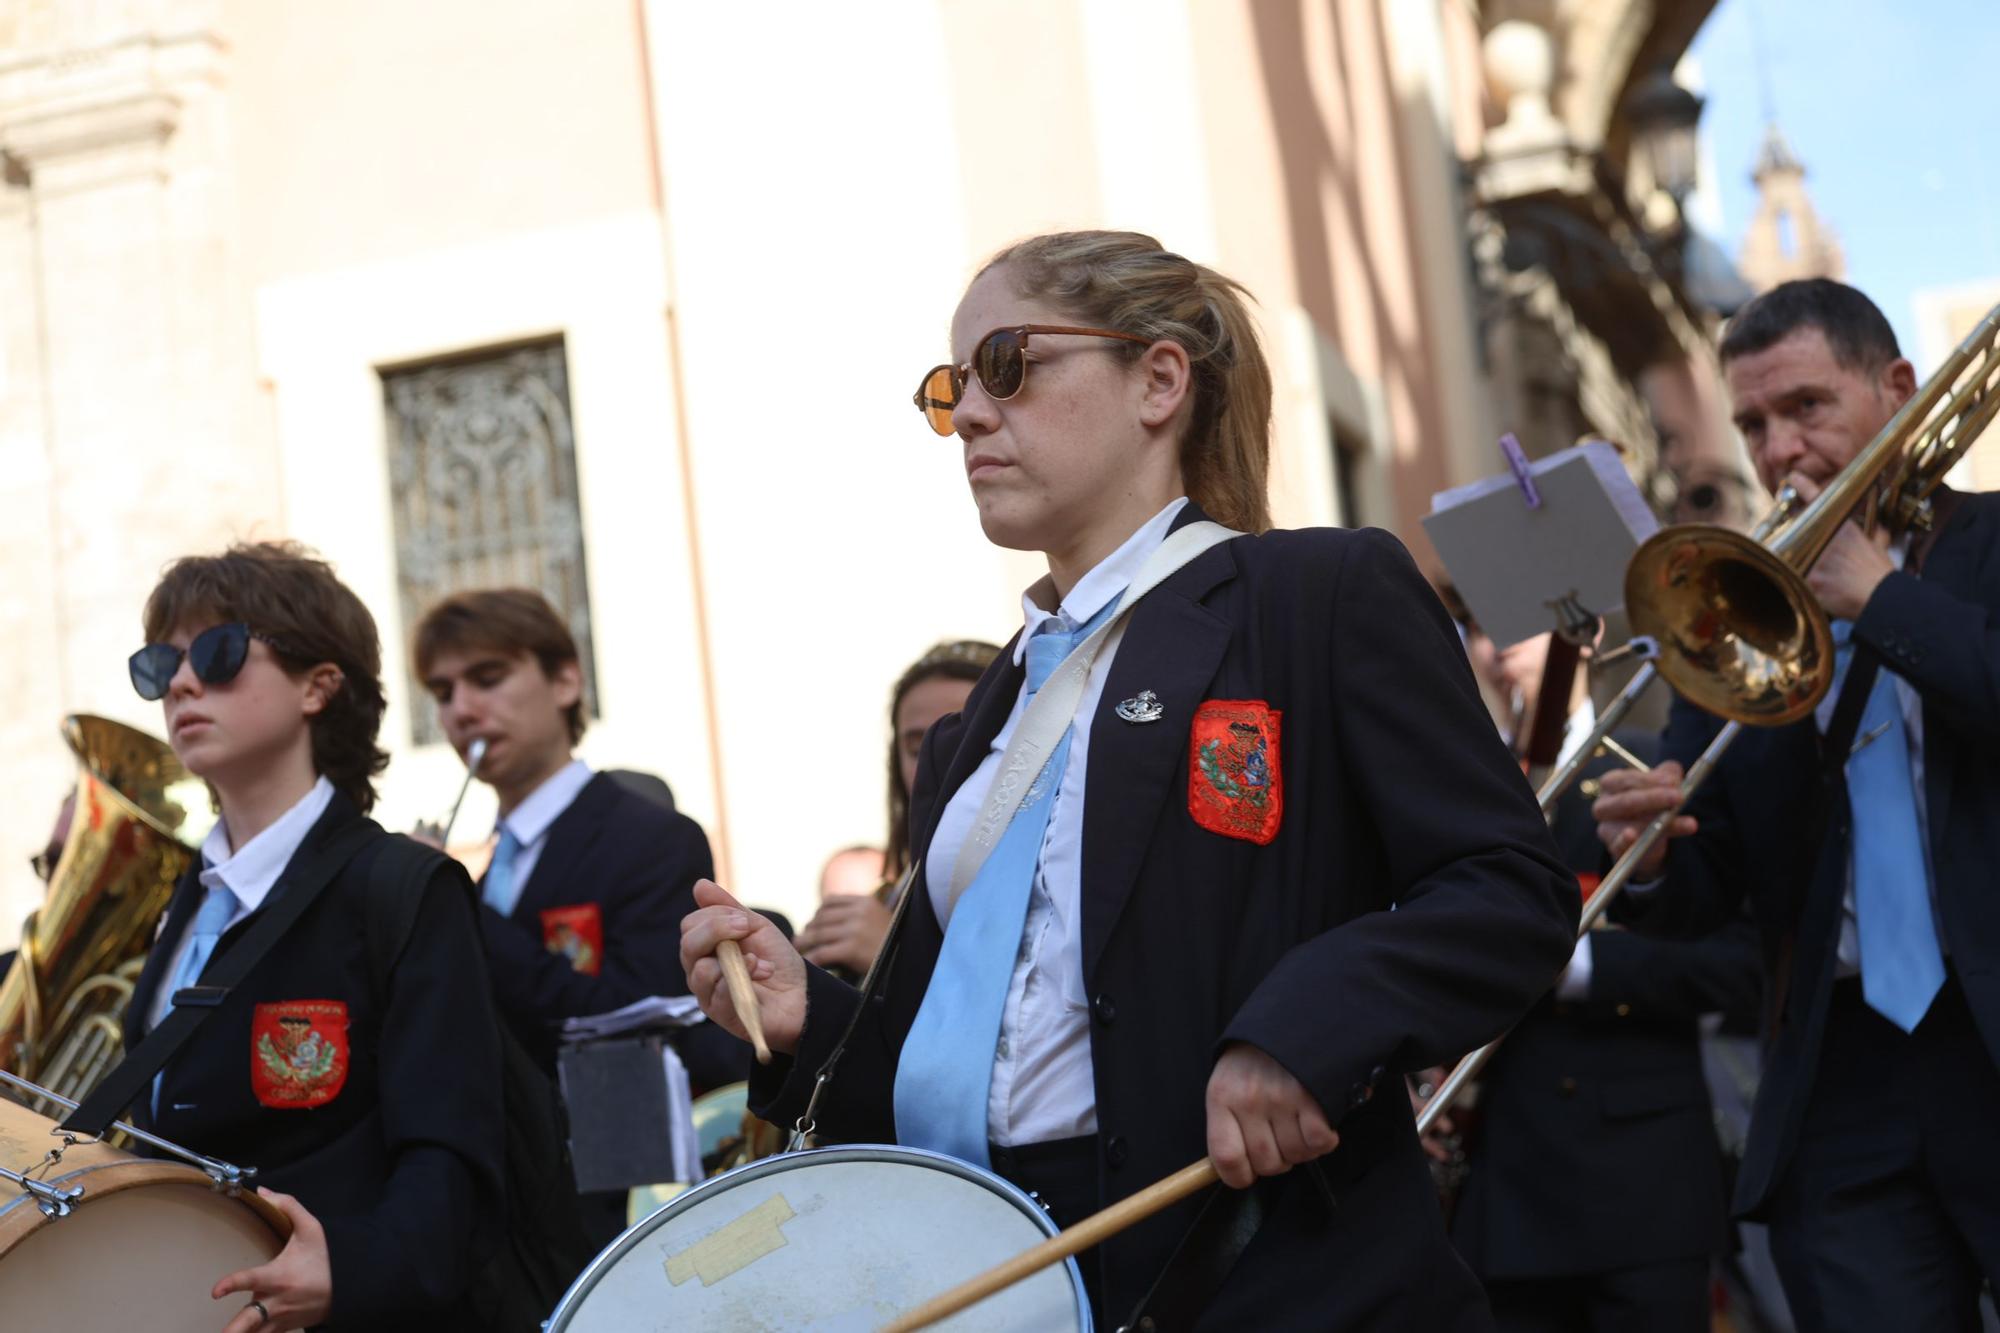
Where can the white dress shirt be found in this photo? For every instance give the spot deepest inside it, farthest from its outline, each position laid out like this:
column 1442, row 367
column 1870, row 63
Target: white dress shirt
column 1574, row 984
column 1042, row 1087
column 530, row 820
column 250, row 872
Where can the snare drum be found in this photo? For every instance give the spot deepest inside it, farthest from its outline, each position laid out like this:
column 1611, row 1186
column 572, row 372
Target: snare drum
column 141, row 1248
column 835, row 1238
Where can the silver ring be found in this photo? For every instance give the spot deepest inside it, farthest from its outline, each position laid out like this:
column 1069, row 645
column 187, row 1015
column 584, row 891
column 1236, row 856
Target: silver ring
column 263, row 1315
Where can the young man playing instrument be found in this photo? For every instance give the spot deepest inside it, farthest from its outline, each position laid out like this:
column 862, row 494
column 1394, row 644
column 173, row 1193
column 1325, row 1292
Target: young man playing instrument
column 1864, row 838
column 367, row 1091
column 582, row 902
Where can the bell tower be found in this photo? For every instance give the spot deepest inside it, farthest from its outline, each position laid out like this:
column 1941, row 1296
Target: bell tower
column 1786, row 239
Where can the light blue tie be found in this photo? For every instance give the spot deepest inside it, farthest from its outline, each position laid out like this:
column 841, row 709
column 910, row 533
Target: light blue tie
column 499, row 889
column 1902, row 967
column 946, row 1068
column 209, row 923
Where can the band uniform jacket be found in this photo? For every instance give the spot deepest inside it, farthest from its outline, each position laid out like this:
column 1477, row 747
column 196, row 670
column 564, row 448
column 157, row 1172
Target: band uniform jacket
column 1593, row 1144
column 1408, row 906
column 380, row 1113
column 1770, row 795
column 598, row 925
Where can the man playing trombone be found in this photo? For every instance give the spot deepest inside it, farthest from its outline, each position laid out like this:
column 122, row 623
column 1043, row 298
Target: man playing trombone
column 1864, row 837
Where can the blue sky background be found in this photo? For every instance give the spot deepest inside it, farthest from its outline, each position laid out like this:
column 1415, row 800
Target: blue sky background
column 1894, row 108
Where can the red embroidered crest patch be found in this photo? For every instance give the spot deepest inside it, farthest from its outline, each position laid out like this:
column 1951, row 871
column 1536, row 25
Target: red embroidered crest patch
column 1235, row 787
column 298, row 1053
column 577, row 933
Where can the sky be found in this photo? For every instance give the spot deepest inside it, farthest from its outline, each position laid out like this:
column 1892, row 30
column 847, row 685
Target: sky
column 1892, row 107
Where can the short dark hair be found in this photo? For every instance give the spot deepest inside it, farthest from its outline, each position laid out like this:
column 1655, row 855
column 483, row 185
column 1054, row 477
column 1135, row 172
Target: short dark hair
column 1854, row 326
column 509, row 621
column 285, row 591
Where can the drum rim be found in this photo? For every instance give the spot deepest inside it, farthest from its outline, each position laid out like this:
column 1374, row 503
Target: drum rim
column 628, row 1239
column 101, row 1180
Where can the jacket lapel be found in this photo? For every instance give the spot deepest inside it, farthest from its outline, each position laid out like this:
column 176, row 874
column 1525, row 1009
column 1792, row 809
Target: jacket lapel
column 992, row 700
column 1173, row 646
column 570, row 839
column 180, row 909
column 1951, row 564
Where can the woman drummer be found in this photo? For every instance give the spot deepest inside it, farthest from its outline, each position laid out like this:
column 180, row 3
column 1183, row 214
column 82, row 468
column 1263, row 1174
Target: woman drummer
column 1278, row 857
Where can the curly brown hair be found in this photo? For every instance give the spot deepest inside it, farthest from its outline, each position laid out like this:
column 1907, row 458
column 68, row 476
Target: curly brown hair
column 285, row 591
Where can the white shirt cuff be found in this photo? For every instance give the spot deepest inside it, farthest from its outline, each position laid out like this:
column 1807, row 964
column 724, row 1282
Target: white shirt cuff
column 1575, row 981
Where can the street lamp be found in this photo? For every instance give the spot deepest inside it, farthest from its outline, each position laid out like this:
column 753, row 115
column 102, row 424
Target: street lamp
column 1663, row 116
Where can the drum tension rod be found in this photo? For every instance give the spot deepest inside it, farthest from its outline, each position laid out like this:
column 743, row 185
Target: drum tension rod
column 227, row 1177
column 51, row 1199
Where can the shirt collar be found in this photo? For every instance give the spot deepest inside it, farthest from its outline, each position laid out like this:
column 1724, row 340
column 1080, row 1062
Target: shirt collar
column 530, row 819
column 1106, row 580
column 253, row 869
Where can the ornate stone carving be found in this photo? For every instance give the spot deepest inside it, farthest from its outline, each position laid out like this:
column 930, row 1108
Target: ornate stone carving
column 482, row 467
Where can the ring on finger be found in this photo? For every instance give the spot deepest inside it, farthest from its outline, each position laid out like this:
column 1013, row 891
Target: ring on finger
column 263, row 1312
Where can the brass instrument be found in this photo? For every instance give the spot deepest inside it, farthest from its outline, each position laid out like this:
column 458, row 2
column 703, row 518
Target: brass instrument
column 1740, row 633
column 1599, row 741
column 138, row 816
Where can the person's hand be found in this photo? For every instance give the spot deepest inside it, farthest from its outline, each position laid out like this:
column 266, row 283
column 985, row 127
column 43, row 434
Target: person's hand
column 295, row 1289
column 1628, row 800
column 1853, row 565
column 846, row 931
column 777, row 973
column 1423, row 1087
column 1261, row 1120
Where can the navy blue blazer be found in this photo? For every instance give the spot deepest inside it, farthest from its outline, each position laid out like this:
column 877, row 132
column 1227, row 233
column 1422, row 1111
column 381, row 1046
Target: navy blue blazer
column 1393, row 793
column 1774, row 824
column 1594, row 1147
column 381, row 1113
column 598, row 925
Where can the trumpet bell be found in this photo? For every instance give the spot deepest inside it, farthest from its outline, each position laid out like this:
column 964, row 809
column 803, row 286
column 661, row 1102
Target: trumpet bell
column 1740, row 633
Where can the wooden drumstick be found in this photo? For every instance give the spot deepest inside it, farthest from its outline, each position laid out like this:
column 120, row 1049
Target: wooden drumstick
column 742, row 994
column 1093, row 1230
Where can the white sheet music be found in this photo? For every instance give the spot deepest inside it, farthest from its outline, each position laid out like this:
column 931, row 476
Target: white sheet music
column 1513, row 564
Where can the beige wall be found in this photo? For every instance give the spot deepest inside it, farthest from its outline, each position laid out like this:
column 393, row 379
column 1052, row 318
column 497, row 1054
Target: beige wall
column 750, row 225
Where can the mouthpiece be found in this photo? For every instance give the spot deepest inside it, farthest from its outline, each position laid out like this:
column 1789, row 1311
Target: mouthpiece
column 473, row 754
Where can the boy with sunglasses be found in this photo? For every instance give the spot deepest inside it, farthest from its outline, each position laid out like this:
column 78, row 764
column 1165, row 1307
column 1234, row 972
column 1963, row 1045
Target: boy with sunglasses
column 367, row 1091
column 582, row 902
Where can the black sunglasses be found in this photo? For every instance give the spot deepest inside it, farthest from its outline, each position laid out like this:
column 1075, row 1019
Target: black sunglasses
column 217, row 654
column 1001, row 362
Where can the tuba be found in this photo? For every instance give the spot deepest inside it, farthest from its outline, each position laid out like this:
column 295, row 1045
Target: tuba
column 138, row 816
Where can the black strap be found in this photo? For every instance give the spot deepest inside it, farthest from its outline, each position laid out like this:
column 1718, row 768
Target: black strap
column 300, row 888
column 1222, row 1230
column 1838, row 744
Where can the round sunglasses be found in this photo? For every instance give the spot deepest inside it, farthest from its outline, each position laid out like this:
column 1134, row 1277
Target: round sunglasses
column 1000, row 359
column 217, row 654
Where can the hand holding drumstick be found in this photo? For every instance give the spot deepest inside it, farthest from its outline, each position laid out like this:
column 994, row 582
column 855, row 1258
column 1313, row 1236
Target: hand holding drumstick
column 765, row 1004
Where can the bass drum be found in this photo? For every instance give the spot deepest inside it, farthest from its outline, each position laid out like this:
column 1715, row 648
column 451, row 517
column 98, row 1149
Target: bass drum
column 835, row 1238
column 140, row 1249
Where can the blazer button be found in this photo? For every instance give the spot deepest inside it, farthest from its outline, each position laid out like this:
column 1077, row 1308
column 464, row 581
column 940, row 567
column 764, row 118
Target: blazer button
column 1567, row 1087
column 1624, row 1011
column 1116, row 1151
column 1105, row 1010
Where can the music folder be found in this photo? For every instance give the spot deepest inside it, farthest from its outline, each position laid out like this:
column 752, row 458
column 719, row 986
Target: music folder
column 1521, row 560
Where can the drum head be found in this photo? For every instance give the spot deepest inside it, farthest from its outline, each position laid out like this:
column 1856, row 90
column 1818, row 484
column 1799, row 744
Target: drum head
column 840, row 1239
column 140, row 1249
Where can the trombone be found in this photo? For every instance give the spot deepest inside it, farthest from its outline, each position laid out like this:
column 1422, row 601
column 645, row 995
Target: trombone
column 1738, row 631
column 1645, row 646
